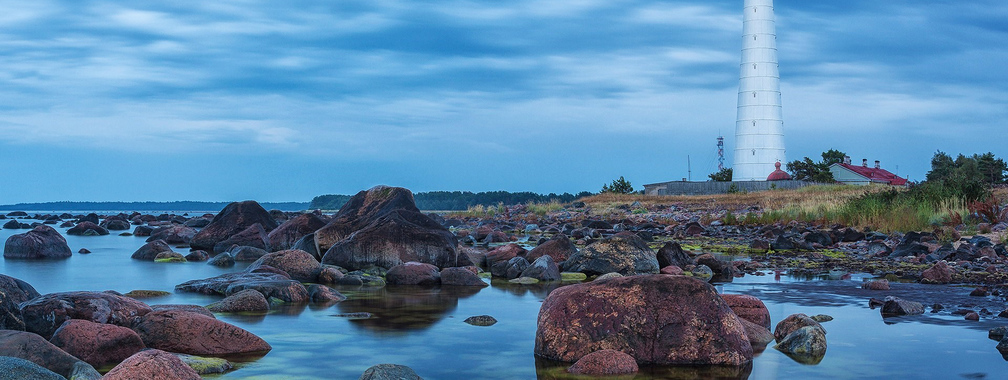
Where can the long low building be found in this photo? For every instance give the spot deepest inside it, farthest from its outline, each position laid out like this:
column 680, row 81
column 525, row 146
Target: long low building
column 714, row 187
column 846, row 173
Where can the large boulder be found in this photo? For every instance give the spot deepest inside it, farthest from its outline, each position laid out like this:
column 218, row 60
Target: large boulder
column 34, row 348
column 542, row 269
column 234, row 218
column 12, row 368
column 218, row 285
column 456, row 276
column 285, row 236
column 150, row 251
column 82, row 228
column 559, row 248
column 792, row 323
column 246, row 253
column 623, row 254
column 98, row 344
column 749, row 308
column 245, row 301
column 604, row 363
column 940, row 273
column 12, row 293
column 152, row 364
column 115, row 223
column 300, row 265
column 44, row 314
column 673, row 254
column 196, row 334
column 42, row 242
column 253, row 236
column 657, row 319
column 382, row 227
column 307, row 243
column 173, row 234
column 413, row 273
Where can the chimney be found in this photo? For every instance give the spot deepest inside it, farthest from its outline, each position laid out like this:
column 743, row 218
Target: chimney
column 864, row 162
column 846, row 160
column 878, row 164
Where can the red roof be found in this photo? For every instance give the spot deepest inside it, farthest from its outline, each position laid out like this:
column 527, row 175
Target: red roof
column 875, row 175
column 778, row 175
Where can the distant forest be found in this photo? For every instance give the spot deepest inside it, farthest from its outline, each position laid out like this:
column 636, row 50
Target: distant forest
column 143, row 206
column 457, row 200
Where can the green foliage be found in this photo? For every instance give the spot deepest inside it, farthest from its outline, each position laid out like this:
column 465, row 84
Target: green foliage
column 985, row 168
column 458, row 200
column 723, row 175
column 618, row 186
column 807, row 170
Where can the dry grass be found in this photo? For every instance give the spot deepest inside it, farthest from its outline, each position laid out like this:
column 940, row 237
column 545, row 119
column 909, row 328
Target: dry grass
column 808, row 198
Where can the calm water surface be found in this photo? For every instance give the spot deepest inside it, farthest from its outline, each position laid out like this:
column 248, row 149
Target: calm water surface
column 424, row 329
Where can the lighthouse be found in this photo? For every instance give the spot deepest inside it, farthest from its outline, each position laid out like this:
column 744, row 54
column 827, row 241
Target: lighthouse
column 759, row 129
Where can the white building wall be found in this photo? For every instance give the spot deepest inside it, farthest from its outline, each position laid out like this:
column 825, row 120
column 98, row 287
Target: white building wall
column 842, row 175
column 759, row 129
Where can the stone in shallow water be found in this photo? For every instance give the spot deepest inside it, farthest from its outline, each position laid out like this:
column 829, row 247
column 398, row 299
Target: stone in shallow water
column 806, row 345
column 604, row 362
column 821, row 318
column 895, row 306
column 12, row 368
column 390, row 372
column 204, row 365
column 481, row 320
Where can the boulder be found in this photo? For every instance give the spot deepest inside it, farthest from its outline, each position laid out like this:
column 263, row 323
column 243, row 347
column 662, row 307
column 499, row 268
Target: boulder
column 300, row 265
column 321, row 294
column 92, row 217
column 504, row 253
column 783, row 243
column 457, row 276
column 224, row 260
column 199, row 222
column 895, row 306
column 152, row 364
column 12, row 368
column 286, row 235
column 722, row 269
column 749, row 308
column 627, row 255
column 290, row 291
column 413, row 273
column 82, row 228
column 673, row 254
column 97, row 344
column 42, row 242
column 604, row 363
column 173, row 234
column 481, row 320
column 759, row 336
column 12, row 293
column 196, row 334
column 197, row 255
column 794, row 322
column 543, row 269
column 44, row 314
column 882, row 284
column 34, row 348
column 247, row 300
column 672, row 270
column 205, row 365
column 657, row 319
column 234, row 218
column 307, row 243
column 807, row 344
column 218, row 285
column 363, row 209
column 143, row 231
column 389, row 372
column 940, row 273
column 253, row 236
column 819, row 237
column 511, row 269
column 189, row 308
column 115, row 223
column 246, row 253
column 560, row 247
column 149, row 251
column 12, row 225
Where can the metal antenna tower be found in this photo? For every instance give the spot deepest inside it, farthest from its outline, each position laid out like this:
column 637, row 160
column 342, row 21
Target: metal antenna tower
column 720, row 153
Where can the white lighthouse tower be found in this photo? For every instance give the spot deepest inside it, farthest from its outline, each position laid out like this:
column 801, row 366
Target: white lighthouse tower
column 759, row 131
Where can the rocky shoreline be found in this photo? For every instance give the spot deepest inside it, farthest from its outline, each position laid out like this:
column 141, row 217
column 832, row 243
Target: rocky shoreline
column 613, row 270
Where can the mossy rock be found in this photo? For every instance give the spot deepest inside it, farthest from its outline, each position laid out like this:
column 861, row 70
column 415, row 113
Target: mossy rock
column 485, row 275
column 171, row 260
column 204, row 365
column 573, row 276
column 146, row 293
column 524, row 281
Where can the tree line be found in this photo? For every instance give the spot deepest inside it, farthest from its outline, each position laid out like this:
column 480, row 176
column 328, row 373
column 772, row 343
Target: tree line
column 457, row 200
column 143, row 206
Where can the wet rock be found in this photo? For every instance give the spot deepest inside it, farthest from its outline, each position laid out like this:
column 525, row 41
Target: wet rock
column 821, row 318
column 96, row 343
column 657, row 319
column 481, row 320
column 627, row 255
column 152, row 364
column 234, row 218
column 972, row 316
column 44, row 314
column 12, row 368
column 12, row 293
column 34, row 348
column 980, row 291
column 199, row 222
column 783, row 243
column 759, row 336
column 169, row 257
column 504, row 254
column 560, row 247
column 413, row 273
column 543, row 269
column 245, row 301
column 321, row 294
column 138, row 294
column 307, row 243
column 940, row 273
column 604, row 363
column 82, row 228
column 881, row 284
column 895, row 306
column 218, row 285
column 224, row 260
column 523, row 281
column 808, row 344
column 390, row 372
column 749, row 308
column 114, row 223
column 290, row 291
column 300, row 265
column 196, row 334
column 514, row 268
column 759, row 245
column 287, row 234
column 461, row 277
column 42, row 242
column 187, row 308
column 819, row 237
column 253, row 236
column 673, row 254
column 997, row 333
column 143, row 231
column 149, row 251
column 702, row 272
column 792, row 323
column 174, row 234
column 204, row 365
column 198, row 255
column 246, row 253
column 721, row 268
column 672, row 270
column 849, row 235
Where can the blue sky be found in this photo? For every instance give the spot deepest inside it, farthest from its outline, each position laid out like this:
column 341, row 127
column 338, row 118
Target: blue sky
column 282, row 101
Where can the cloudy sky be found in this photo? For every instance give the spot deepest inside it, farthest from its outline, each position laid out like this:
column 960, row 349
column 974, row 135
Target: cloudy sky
column 282, row 101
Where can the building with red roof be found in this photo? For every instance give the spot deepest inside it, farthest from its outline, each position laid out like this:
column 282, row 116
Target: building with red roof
column 846, row 173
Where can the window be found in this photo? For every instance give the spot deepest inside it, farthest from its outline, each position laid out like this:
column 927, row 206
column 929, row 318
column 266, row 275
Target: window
column 754, row 94
column 754, row 152
column 754, row 123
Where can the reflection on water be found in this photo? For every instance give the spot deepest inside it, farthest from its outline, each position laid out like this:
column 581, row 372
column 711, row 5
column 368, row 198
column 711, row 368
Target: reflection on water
column 552, row 370
column 402, row 309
